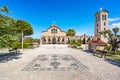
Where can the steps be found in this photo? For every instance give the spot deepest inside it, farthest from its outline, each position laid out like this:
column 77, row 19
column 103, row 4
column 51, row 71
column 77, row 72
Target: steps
column 54, row 45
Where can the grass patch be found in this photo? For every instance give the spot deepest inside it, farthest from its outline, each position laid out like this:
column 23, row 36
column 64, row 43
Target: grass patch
column 113, row 52
column 113, row 57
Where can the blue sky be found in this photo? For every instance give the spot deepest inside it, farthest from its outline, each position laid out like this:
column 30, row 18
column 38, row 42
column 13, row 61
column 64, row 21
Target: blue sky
column 77, row 14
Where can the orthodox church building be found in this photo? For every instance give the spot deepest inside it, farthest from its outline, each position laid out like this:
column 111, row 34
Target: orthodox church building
column 55, row 35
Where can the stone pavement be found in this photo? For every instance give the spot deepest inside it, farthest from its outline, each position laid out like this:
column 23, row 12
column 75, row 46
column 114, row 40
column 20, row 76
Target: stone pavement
column 57, row 62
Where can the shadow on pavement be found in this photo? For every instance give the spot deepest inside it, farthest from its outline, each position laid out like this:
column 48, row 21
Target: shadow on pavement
column 114, row 62
column 9, row 57
column 87, row 51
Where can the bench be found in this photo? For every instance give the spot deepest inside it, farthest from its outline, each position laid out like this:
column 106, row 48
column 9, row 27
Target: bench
column 14, row 50
column 102, row 53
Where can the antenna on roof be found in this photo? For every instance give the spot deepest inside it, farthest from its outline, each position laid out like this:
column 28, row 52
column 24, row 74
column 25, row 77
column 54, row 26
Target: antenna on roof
column 100, row 9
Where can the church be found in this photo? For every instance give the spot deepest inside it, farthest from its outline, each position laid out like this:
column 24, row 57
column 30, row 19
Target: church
column 54, row 35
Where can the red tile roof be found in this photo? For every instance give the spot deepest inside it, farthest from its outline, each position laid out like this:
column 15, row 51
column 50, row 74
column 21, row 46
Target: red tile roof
column 98, row 42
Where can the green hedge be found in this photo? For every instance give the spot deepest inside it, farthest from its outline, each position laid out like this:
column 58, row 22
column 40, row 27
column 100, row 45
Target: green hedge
column 19, row 45
column 74, row 43
column 113, row 52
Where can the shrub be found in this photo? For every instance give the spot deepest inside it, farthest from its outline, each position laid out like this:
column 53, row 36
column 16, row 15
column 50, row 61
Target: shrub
column 19, row 45
column 78, row 44
column 108, row 47
column 81, row 48
column 118, row 52
column 73, row 42
column 111, row 52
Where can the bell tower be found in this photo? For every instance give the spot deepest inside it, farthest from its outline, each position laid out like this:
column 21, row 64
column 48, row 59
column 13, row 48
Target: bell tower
column 101, row 21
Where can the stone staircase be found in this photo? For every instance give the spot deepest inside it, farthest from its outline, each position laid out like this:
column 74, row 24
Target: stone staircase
column 54, row 45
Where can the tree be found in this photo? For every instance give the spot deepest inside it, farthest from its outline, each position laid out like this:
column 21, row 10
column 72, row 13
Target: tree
column 116, row 30
column 73, row 43
column 79, row 42
column 113, row 38
column 25, row 27
column 88, row 39
column 28, row 40
column 8, row 33
column 7, row 29
column 70, row 32
column 4, row 8
column 36, row 40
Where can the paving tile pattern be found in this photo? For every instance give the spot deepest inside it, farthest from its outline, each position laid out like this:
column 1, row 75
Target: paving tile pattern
column 53, row 62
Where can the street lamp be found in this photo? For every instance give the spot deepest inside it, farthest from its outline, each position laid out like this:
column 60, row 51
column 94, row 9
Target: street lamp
column 22, row 41
column 85, row 40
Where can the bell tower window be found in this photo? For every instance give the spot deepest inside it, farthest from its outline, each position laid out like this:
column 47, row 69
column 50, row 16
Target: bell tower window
column 97, row 24
column 102, row 17
column 97, row 30
column 105, row 16
column 104, row 29
column 104, row 23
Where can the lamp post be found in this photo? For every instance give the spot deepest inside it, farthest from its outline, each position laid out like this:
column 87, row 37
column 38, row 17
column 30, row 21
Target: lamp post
column 85, row 40
column 22, row 41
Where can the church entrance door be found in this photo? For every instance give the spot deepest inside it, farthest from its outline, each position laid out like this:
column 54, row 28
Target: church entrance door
column 53, row 40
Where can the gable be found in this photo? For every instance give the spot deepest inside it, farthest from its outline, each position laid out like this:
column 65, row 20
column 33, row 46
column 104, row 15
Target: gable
column 53, row 30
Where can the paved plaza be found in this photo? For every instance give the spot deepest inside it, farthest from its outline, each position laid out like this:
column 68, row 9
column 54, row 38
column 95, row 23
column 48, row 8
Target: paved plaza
column 57, row 62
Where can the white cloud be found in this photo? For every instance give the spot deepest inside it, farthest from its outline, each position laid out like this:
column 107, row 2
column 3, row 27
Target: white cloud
column 114, row 25
column 113, row 19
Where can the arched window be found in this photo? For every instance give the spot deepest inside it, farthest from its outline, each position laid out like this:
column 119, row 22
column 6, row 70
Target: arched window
column 56, row 30
column 44, row 39
column 104, row 29
column 98, row 18
column 97, row 24
column 49, row 40
column 105, row 16
column 102, row 17
column 104, row 23
column 63, row 39
column 97, row 30
column 58, row 39
column 52, row 30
